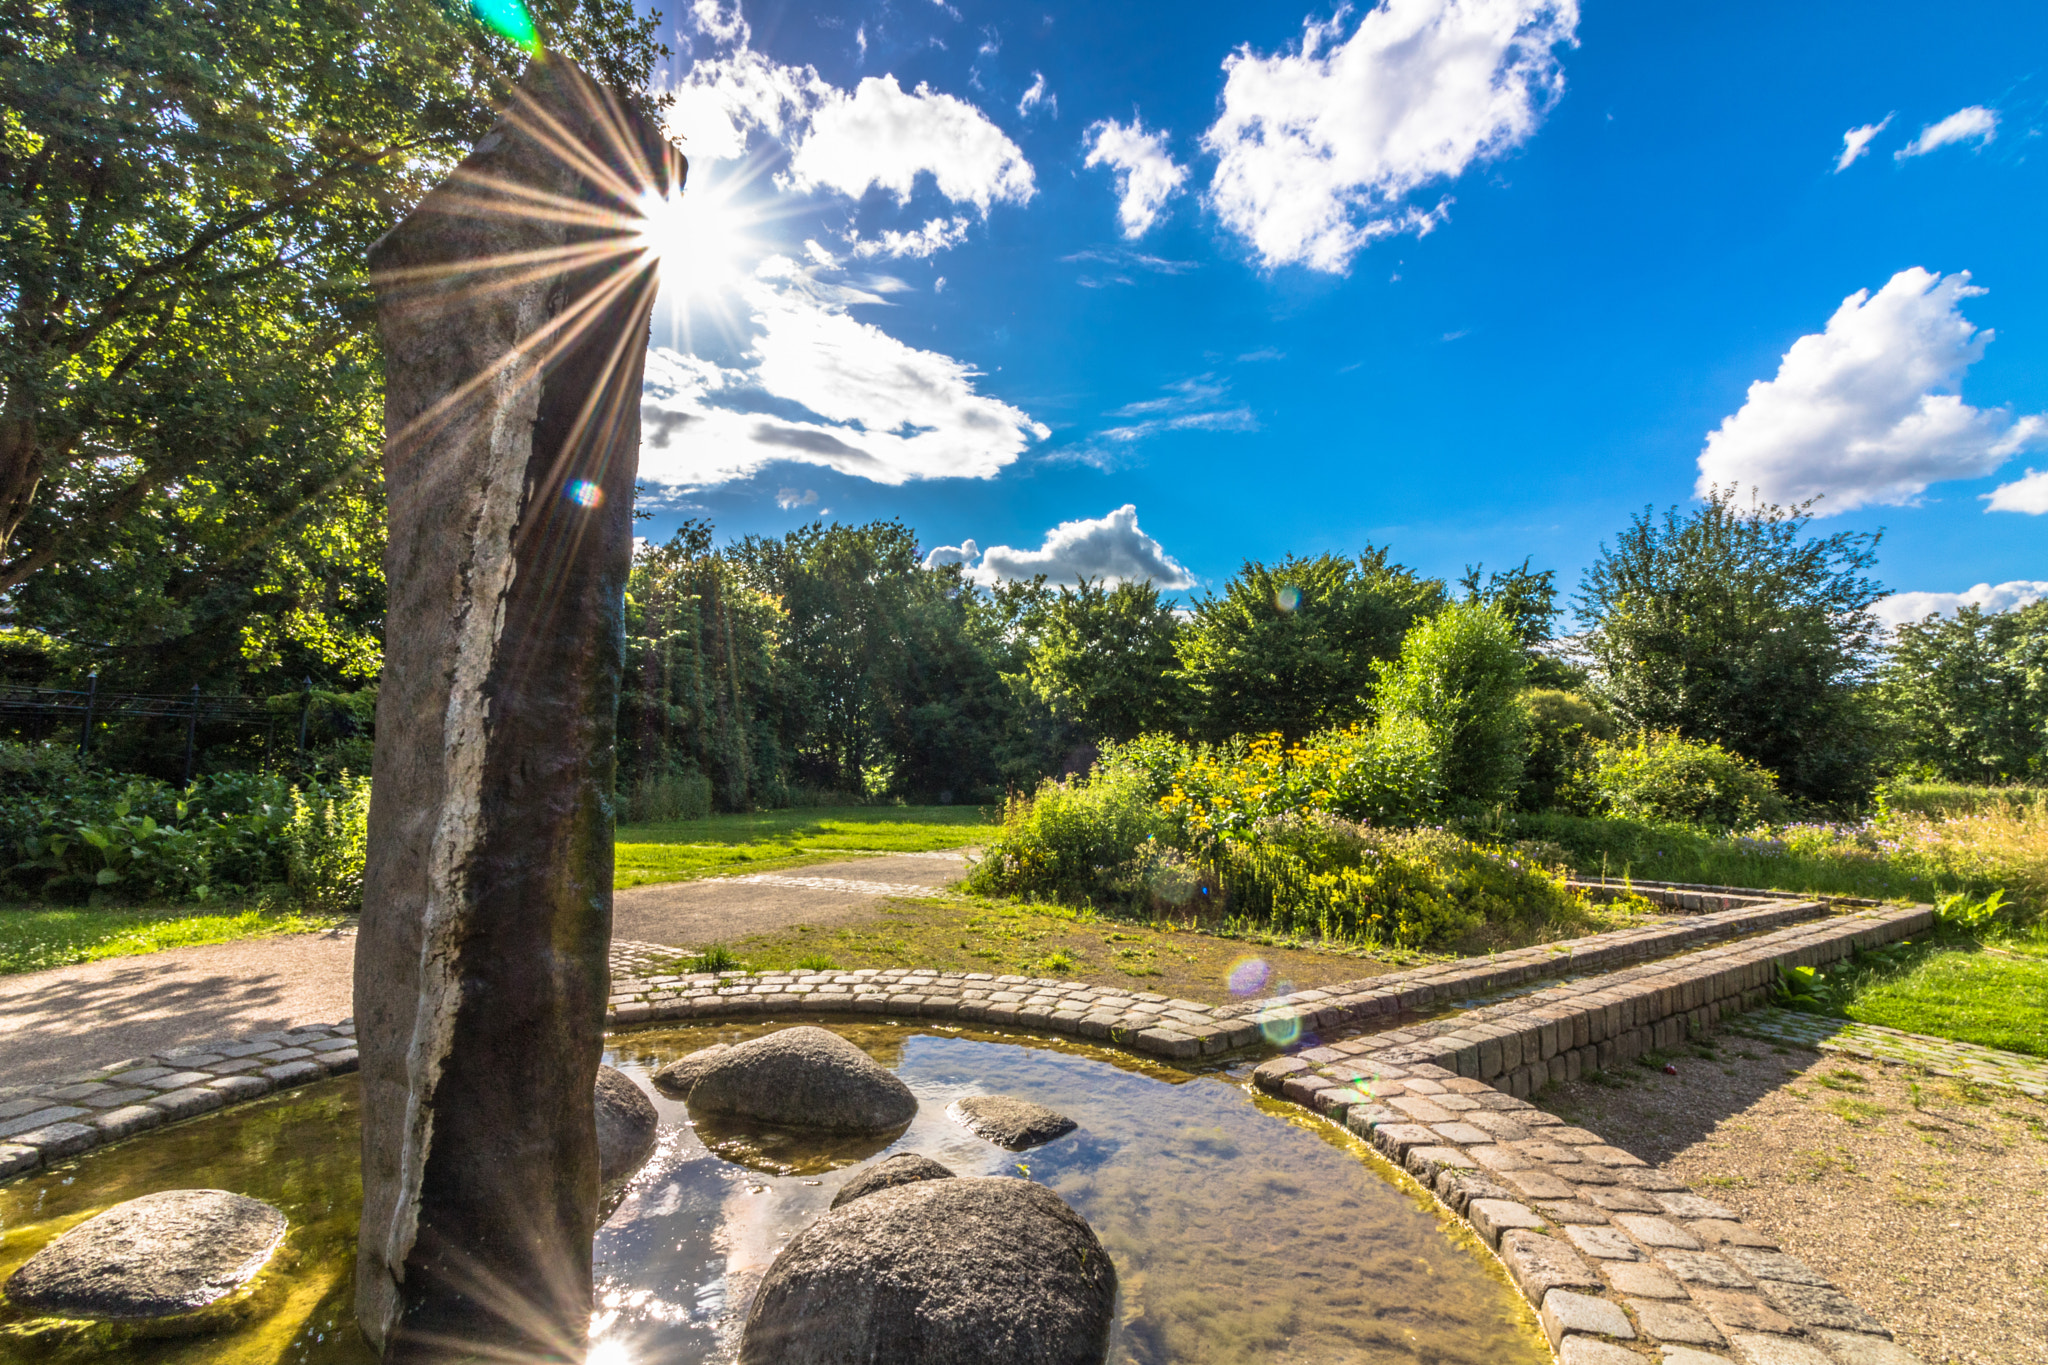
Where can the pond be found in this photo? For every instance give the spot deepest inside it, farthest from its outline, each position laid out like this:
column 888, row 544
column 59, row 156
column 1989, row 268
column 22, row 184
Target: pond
column 1242, row 1230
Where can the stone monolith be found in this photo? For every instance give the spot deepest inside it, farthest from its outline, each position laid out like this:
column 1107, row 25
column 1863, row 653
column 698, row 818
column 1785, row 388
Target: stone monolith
column 513, row 306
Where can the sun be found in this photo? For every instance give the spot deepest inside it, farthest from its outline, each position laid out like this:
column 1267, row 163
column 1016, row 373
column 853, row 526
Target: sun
column 697, row 238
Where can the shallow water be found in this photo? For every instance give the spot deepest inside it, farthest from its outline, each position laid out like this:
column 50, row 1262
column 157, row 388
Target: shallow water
column 1242, row 1230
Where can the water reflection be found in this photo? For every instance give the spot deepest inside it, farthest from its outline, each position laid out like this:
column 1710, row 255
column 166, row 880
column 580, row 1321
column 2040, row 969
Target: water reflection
column 1242, row 1230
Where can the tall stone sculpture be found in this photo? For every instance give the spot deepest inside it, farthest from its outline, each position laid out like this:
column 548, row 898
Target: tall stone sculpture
column 513, row 306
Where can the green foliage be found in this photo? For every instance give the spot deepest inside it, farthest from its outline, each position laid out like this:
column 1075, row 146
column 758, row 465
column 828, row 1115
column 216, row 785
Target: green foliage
column 1663, row 776
column 1103, row 660
column 1083, row 841
column 1563, row 729
column 190, row 405
column 327, row 839
column 1734, row 626
column 118, row 838
column 1969, row 694
column 1461, row 674
column 1290, row 647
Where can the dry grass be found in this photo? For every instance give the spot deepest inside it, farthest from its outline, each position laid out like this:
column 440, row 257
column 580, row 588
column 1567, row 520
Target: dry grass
column 1922, row 1198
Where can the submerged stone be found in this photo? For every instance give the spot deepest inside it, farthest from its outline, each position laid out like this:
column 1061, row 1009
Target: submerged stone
column 1010, row 1123
column 981, row 1270
column 797, row 1078
column 627, row 1126
column 904, row 1168
column 158, row 1256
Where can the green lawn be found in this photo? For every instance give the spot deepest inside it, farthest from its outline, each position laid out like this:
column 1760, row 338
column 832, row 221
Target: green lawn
column 1993, row 994
column 33, row 937
column 765, row 840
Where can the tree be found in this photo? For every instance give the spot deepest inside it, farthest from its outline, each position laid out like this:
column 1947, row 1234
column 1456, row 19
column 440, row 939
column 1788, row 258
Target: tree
column 1104, row 660
column 1969, row 694
column 1291, row 647
column 1733, row 625
column 189, row 382
column 1461, row 673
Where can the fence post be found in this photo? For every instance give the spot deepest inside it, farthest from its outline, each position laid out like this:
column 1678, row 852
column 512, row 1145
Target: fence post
column 191, row 733
column 92, row 696
column 305, row 714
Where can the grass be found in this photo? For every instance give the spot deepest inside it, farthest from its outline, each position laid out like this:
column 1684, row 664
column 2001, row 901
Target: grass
column 717, row 845
column 1994, row 993
column 35, row 937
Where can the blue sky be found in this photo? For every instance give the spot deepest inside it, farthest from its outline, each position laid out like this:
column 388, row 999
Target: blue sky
column 1475, row 279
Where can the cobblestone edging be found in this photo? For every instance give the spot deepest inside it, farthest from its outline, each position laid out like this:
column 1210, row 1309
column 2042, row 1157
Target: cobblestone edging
column 44, row 1123
column 1149, row 1022
column 1616, row 1257
column 1566, row 1030
column 1691, row 897
column 1943, row 1057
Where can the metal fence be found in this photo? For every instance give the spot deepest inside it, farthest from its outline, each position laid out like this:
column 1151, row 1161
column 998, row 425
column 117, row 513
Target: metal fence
column 89, row 706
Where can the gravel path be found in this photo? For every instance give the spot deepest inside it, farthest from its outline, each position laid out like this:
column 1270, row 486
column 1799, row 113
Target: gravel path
column 78, row 1018
column 1922, row 1197
column 93, row 1014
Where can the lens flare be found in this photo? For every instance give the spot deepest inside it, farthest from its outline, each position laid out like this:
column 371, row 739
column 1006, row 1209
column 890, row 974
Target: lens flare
column 1247, row 974
column 1288, row 599
column 584, row 493
column 1279, row 1025
column 508, row 19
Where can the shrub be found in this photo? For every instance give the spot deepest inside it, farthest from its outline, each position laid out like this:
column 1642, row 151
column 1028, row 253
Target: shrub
column 1461, row 674
column 1078, row 841
column 664, row 796
column 1661, row 775
column 1563, row 728
column 327, row 841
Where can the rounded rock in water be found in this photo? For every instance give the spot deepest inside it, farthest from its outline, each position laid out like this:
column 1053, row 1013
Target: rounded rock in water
column 796, row 1077
column 627, row 1126
column 904, row 1168
column 1010, row 1123
column 158, row 1256
column 980, row 1270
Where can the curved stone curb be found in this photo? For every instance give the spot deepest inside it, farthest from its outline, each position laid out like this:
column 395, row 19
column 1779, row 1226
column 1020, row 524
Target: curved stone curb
column 44, row 1123
column 1874, row 1042
column 1606, row 1249
column 1158, row 1024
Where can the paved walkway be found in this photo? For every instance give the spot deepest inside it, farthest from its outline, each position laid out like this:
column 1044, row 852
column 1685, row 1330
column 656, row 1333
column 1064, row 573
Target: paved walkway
column 94, row 1014
column 1965, row 1061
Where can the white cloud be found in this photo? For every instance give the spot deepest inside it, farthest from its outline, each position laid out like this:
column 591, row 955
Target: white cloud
column 1867, row 411
column 789, row 498
column 2028, row 494
column 1112, row 549
column 883, row 136
column 723, row 99
column 1036, row 96
column 1974, row 124
column 938, row 234
column 823, row 388
column 1146, row 175
column 1902, row 607
column 1319, row 148
column 1856, row 142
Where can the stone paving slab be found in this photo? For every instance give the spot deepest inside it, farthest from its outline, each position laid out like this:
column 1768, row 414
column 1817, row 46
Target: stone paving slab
column 1942, row 1056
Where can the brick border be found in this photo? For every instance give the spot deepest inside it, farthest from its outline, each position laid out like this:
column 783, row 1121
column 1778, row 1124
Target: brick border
column 1604, row 1247
column 73, row 1114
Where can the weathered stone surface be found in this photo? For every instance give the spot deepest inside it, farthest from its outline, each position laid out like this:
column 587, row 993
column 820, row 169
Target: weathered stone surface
column 1603, row 1243
column 1816, row 1305
column 1010, row 1123
column 904, row 1168
column 1492, row 1217
column 1675, row 1322
column 627, row 1126
column 1772, row 1350
column 1640, row 1281
column 513, row 341
column 1854, row 1348
column 153, row 1257
column 1593, row 1351
column 1540, row 1264
column 801, row 1077
column 980, row 1271
column 1773, row 1265
column 676, row 1078
column 1565, row 1313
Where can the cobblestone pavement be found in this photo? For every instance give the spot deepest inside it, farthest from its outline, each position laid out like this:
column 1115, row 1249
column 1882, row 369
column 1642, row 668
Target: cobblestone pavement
column 1965, row 1061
